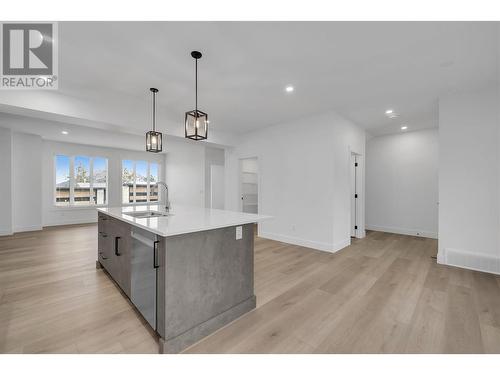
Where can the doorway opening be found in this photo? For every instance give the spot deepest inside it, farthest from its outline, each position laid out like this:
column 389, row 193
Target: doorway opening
column 249, row 185
column 217, row 186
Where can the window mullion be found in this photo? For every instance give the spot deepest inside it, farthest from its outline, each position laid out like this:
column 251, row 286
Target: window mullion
column 91, row 180
column 54, row 178
column 72, row 180
column 134, row 191
column 148, row 182
column 106, row 191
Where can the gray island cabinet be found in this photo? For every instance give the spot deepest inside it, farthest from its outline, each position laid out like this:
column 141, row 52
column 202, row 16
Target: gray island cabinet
column 188, row 272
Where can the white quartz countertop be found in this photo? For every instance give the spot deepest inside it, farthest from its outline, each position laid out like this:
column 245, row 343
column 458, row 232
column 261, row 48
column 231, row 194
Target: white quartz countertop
column 182, row 219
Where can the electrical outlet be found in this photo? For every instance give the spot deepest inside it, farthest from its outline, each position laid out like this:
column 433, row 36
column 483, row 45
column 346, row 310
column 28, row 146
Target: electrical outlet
column 239, row 233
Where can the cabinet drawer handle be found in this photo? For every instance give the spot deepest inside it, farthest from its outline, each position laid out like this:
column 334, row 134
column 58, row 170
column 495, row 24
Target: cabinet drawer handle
column 117, row 253
column 102, row 256
column 103, row 234
column 155, row 254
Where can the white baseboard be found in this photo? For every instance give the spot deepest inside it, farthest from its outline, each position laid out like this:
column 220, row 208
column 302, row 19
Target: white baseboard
column 341, row 244
column 323, row 246
column 29, row 228
column 440, row 257
column 5, row 233
column 38, row 227
column 69, row 222
column 470, row 260
column 297, row 241
column 406, row 231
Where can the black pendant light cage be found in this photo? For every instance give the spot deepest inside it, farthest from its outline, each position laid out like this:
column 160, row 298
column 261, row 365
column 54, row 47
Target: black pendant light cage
column 154, row 138
column 196, row 121
column 196, row 125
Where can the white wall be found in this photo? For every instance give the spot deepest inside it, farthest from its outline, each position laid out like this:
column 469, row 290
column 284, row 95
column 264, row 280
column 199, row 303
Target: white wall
column 402, row 183
column 213, row 157
column 26, row 182
column 217, row 187
column 469, row 172
column 303, row 179
column 20, row 168
column 6, row 185
column 186, row 172
column 53, row 215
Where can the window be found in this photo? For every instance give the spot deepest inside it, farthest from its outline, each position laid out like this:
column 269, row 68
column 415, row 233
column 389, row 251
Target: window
column 139, row 180
column 80, row 180
column 81, row 188
column 153, row 178
column 100, row 180
column 62, row 180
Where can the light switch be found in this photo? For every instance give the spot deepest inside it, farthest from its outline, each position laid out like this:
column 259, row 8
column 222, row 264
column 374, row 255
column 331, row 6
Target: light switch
column 239, row 233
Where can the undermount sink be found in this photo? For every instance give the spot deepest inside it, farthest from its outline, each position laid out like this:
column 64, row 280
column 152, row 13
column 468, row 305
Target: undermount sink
column 146, row 214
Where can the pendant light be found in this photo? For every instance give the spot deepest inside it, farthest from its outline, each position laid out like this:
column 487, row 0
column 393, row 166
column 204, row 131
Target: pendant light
column 153, row 138
column 196, row 121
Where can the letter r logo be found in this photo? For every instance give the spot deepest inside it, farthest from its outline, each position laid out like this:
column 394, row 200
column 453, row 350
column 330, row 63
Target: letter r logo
column 27, row 49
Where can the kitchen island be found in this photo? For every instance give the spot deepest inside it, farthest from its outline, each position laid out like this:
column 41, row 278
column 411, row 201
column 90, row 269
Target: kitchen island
column 188, row 271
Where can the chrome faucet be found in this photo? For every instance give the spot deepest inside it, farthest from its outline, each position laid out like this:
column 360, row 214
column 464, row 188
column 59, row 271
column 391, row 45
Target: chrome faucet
column 167, row 202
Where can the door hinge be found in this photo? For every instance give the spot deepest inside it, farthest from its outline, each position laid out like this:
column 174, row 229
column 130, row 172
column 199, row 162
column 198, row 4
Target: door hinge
column 355, row 195
column 355, row 164
column 355, row 227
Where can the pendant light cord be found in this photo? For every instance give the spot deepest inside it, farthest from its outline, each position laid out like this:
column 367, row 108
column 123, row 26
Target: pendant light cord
column 196, row 86
column 154, row 111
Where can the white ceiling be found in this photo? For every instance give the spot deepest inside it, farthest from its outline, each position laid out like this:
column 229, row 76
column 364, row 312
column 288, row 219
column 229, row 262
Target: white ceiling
column 358, row 69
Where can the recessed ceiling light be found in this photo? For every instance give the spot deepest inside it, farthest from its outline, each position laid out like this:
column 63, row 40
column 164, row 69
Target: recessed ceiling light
column 64, row 132
column 391, row 114
column 289, row 88
column 404, row 127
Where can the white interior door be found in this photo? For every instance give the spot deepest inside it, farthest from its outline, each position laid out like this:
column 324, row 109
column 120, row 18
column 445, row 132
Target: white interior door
column 249, row 185
column 217, row 186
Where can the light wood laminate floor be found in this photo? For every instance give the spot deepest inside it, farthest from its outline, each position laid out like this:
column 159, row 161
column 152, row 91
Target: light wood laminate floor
column 383, row 294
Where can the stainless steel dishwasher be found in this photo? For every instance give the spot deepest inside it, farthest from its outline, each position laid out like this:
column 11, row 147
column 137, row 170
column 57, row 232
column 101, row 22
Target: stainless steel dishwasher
column 144, row 273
